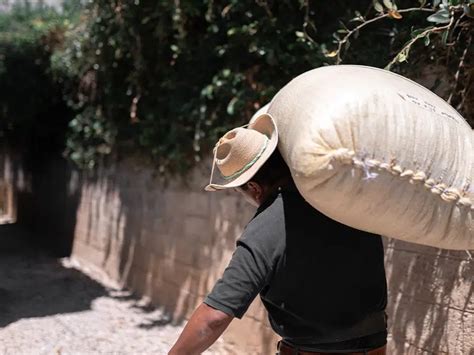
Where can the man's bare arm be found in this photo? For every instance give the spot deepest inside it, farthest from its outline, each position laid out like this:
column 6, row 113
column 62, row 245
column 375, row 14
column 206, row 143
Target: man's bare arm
column 202, row 330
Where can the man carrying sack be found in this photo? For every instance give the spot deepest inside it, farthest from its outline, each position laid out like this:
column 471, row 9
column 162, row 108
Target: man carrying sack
column 322, row 282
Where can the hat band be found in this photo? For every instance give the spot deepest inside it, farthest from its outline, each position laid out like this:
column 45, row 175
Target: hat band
column 249, row 164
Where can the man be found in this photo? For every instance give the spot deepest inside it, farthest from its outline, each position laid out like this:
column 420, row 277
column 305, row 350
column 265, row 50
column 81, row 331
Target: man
column 322, row 283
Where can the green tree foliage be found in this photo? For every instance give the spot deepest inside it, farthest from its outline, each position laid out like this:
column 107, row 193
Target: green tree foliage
column 171, row 77
column 33, row 115
column 443, row 41
column 167, row 78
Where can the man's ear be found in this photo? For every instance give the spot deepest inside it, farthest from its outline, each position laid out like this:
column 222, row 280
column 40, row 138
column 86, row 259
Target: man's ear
column 255, row 188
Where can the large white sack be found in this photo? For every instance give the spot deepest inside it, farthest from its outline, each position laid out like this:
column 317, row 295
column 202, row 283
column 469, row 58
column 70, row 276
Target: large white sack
column 378, row 152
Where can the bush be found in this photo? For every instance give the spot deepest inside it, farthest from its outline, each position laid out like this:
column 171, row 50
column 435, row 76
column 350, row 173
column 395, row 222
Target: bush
column 168, row 78
column 33, row 115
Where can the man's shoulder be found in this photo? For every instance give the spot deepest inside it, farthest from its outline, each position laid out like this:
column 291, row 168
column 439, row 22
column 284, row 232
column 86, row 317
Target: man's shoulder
column 271, row 208
column 278, row 207
column 268, row 223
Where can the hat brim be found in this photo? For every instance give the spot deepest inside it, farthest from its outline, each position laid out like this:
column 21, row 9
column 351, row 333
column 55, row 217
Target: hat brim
column 264, row 124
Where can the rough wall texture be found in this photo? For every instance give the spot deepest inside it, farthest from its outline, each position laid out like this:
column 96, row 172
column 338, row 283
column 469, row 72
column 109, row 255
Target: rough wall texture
column 431, row 299
column 168, row 243
column 7, row 200
column 172, row 242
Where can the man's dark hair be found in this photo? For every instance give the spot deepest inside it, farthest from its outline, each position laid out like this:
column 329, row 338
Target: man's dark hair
column 273, row 171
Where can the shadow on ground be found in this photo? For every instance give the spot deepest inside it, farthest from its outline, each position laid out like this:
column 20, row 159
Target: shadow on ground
column 33, row 284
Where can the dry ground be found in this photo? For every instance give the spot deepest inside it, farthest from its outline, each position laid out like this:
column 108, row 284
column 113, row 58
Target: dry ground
column 47, row 306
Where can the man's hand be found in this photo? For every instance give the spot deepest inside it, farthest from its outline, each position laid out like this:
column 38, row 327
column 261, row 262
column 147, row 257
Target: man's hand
column 202, row 330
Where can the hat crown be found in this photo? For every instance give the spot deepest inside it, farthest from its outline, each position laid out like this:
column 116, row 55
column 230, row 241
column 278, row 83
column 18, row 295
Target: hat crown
column 238, row 149
column 241, row 152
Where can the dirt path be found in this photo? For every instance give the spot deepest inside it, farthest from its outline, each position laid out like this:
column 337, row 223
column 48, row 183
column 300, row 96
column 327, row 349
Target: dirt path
column 49, row 307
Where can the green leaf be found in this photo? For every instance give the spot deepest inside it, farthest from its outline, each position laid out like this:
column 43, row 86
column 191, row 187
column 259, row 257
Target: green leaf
column 347, row 45
column 226, row 73
column 231, row 106
column 378, row 6
column 442, row 16
column 388, row 4
column 231, row 31
column 469, row 9
column 427, row 40
column 357, row 19
column 444, row 37
column 401, row 57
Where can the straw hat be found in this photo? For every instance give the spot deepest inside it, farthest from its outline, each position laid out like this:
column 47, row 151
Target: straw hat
column 242, row 151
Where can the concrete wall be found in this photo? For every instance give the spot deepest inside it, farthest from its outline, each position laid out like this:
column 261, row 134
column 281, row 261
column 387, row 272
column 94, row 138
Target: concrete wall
column 7, row 198
column 45, row 198
column 170, row 242
column 431, row 302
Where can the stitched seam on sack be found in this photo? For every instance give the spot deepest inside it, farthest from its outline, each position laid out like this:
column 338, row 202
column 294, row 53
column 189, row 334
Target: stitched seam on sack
column 447, row 194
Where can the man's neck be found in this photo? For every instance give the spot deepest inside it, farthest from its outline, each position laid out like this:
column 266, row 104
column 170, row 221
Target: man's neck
column 272, row 190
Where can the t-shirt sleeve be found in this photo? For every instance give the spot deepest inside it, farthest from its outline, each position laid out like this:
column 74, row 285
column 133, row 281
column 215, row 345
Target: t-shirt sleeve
column 251, row 266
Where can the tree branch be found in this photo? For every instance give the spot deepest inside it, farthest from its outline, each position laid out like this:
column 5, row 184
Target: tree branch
column 458, row 72
column 365, row 23
column 423, row 34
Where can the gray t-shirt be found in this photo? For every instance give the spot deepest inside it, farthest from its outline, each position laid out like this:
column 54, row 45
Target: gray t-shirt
column 321, row 282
